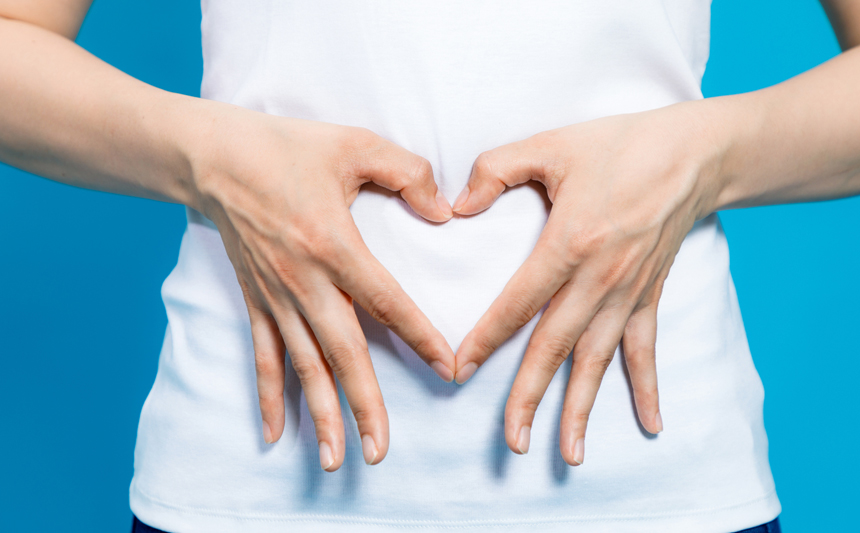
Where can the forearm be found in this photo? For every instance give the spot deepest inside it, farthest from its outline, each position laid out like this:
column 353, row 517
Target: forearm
column 793, row 142
column 68, row 116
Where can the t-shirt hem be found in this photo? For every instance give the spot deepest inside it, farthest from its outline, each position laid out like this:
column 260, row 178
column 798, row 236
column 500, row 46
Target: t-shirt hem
column 183, row 519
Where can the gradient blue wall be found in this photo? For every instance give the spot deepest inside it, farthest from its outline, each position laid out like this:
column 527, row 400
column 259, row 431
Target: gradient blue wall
column 81, row 320
column 797, row 272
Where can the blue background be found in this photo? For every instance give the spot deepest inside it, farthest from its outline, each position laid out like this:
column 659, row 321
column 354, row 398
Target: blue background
column 81, row 320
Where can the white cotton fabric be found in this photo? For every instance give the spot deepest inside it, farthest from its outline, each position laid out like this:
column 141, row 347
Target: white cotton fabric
column 448, row 79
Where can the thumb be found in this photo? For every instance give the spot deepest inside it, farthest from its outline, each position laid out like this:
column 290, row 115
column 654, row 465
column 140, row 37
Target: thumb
column 497, row 169
column 398, row 169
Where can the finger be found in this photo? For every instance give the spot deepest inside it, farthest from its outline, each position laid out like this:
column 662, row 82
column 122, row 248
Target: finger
column 591, row 356
column 398, row 169
column 493, row 171
column 342, row 341
column 640, row 337
column 318, row 385
column 533, row 284
column 269, row 364
column 362, row 276
column 549, row 346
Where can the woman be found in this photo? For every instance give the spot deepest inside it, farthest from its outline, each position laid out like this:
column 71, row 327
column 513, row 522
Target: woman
column 628, row 196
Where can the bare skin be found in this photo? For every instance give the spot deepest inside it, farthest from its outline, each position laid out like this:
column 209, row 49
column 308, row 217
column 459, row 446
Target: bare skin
column 278, row 189
column 615, row 226
column 626, row 190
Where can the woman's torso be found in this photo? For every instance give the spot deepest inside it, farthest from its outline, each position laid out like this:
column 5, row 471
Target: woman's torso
column 449, row 79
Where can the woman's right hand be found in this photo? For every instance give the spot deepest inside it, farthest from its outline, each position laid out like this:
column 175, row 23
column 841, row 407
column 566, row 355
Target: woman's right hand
column 279, row 190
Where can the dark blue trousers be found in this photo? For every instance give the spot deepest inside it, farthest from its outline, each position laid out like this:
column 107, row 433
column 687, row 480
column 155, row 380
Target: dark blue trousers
column 770, row 527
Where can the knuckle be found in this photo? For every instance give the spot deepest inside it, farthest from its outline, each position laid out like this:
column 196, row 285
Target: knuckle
column 641, row 286
column 484, row 165
column 639, row 354
column 255, row 306
column 586, row 243
column 308, row 369
column 286, row 272
column 610, row 277
column 355, row 148
column 325, row 419
column 520, row 309
column 579, row 418
column 301, row 240
column 521, row 402
column 567, row 249
column 270, row 400
column 286, row 281
column 343, row 357
column 620, row 270
column 368, row 410
column 639, row 339
column 646, row 395
column 422, row 170
column 594, row 367
column 311, row 243
column 247, row 294
column 383, row 306
column 657, row 290
column 425, row 346
column 315, row 242
column 328, row 252
column 553, row 352
column 266, row 365
column 485, row 344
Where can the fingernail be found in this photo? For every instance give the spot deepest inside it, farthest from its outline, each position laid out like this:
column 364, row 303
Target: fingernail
column 368, row 448
column 443, row 371
column 658, row 421
column 444, row 206
column 523, row 439
column 326, row 457
column 579, row 452
column 267, row 433
column 461, row 200
column 466, row 372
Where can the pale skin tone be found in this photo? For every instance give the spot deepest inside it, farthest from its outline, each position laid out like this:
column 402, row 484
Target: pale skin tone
column 625, row 192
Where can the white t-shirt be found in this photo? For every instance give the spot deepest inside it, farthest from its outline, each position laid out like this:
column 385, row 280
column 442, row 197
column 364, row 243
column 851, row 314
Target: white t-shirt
column 448, row 79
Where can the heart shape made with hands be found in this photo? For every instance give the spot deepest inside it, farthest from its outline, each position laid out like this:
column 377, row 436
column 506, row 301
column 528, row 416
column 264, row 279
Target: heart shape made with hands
column 586, row 239
column 586, row 235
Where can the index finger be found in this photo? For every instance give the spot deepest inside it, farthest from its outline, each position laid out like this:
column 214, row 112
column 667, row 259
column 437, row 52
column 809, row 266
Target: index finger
column 363, row 277
column 534, row 283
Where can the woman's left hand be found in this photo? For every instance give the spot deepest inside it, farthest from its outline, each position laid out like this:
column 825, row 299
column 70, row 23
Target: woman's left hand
column 625, row 191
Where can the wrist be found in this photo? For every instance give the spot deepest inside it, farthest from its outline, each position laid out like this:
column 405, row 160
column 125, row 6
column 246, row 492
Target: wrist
column 730, row 125
column 188, row 125
column 159, row 155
